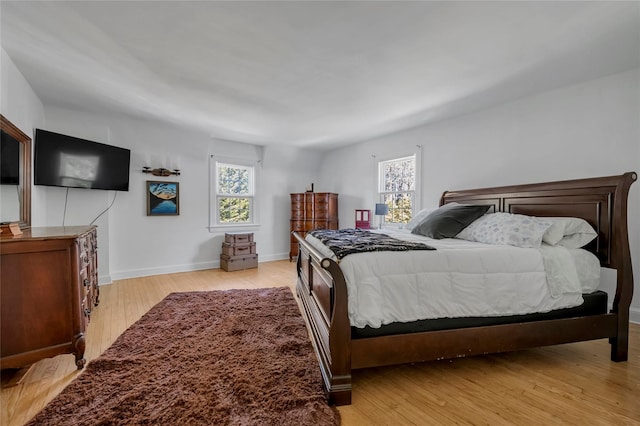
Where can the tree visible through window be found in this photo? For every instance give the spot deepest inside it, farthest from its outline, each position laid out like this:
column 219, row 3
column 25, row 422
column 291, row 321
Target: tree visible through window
column 234, row 194
column 397, row 184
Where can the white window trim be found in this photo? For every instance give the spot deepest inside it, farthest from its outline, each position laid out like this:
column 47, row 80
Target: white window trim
column 214, row 225
column 416, row 206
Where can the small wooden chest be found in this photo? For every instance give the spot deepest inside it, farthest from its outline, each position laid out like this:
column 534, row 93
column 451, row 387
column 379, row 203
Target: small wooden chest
column 238, row 249
column 238, row 237
column 237, row 263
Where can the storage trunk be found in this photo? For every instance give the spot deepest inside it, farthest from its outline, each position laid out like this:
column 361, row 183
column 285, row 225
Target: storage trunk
column 238, row 249
column 238, row 237
column 237, row 263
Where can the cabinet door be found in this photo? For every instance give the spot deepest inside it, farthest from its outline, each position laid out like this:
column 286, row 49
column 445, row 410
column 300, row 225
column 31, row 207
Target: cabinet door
column 37, row 301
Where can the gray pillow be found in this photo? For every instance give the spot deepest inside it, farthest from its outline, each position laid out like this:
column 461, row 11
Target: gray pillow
column 419, row 217
column 449, row 220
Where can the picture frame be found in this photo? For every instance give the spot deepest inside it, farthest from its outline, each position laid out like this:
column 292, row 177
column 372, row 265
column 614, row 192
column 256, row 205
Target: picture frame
column 163, row 198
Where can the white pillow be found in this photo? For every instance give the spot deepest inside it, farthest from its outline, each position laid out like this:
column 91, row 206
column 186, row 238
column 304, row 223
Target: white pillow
column 506, row 228
column 570, row 232
column 419, row 217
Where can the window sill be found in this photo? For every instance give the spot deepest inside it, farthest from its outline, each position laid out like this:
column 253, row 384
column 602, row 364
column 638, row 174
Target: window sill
column 234, row 228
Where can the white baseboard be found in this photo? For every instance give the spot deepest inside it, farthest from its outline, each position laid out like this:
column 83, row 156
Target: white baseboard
column 172, row 269
column 273, row 257
column 169, row 269
column 634, row 315
column 104, row 279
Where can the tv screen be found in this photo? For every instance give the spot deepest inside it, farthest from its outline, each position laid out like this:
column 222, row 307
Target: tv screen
column 61, row 160
column 9, row 160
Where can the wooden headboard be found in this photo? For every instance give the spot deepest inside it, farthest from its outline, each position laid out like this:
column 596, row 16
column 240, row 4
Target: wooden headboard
column 600, row 201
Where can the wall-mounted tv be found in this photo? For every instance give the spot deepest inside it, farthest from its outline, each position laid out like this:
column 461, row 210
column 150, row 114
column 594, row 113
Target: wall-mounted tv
column 67, row 161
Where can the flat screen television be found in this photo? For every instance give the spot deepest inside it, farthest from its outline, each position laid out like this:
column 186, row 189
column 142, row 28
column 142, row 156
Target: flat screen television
column 67, row 161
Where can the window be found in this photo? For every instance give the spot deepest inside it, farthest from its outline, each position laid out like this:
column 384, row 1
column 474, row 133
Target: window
column 397, row 188
column 233, row 193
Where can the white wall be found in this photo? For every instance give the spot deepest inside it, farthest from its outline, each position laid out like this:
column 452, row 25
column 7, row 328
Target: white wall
column 20, row 105
column 585, row 130
column 19, row 102
column 133, row 244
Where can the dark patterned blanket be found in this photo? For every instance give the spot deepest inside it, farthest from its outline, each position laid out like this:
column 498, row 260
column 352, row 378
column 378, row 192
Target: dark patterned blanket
column 348, row 241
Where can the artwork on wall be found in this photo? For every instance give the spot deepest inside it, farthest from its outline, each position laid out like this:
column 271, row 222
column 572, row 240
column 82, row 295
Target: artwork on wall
column 163, row 198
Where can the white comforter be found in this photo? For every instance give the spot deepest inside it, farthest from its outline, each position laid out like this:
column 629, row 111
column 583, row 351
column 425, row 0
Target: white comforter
column 462, row 279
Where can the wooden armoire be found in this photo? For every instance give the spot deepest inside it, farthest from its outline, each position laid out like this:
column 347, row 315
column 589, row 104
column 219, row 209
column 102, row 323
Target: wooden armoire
column 310, row 211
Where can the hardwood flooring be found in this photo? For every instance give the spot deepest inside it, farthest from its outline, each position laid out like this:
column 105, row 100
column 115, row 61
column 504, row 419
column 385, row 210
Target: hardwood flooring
column 573, row 384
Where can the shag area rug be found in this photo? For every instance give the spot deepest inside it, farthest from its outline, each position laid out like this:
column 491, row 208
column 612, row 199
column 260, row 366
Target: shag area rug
column 236, row 357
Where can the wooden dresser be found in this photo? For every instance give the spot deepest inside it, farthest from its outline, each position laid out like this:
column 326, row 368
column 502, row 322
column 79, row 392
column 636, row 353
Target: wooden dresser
column 49, row 287
column 310, row 211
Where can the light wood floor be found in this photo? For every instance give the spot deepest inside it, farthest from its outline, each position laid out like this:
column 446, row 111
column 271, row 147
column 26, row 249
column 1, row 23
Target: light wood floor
column 560, row 385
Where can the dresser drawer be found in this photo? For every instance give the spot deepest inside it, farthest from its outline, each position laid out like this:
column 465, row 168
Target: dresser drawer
column 321, row 201
column 297, row 213
column 86, row 280
column 298, row 198
column 302, row 225
column 322, row 212
column 86, row 308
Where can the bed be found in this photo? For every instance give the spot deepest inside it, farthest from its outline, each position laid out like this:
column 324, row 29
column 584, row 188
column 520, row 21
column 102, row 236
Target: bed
column 602, row 202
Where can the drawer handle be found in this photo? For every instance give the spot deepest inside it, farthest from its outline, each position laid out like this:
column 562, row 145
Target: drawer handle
column 87, row 313
column 86, row 282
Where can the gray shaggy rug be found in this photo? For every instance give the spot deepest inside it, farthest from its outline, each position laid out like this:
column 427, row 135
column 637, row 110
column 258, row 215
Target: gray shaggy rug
column 236, row 357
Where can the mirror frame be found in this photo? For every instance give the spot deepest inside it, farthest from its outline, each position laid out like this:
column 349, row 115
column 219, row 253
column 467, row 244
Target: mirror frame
column 25, row 169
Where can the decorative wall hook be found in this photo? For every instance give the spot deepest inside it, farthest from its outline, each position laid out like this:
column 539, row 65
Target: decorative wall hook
column 160, row 171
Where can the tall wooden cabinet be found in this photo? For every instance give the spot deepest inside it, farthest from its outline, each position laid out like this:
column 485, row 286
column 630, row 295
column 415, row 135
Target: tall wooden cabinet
column 49, row 288
column 310, row 211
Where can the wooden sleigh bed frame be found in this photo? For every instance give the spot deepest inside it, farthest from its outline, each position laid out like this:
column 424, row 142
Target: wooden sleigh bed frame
column 602, row 201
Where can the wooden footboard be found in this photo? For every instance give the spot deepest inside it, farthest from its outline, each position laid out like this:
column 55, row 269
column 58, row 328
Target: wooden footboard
column 602, row 202
column 323, row 291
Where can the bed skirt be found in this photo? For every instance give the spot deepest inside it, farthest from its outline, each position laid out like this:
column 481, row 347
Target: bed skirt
column 594, row 304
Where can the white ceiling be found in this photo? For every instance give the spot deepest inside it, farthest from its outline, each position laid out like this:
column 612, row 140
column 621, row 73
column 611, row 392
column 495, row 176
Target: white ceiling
column 310, row 74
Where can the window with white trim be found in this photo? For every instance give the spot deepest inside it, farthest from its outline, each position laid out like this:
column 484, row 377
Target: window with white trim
column 397, row 188
column 233, row 198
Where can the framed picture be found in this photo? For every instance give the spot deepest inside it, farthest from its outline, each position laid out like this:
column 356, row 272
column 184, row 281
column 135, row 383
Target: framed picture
column 163, row 198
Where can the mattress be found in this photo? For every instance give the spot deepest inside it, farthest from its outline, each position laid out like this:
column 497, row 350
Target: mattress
column 594, row 304
column 462, row 279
